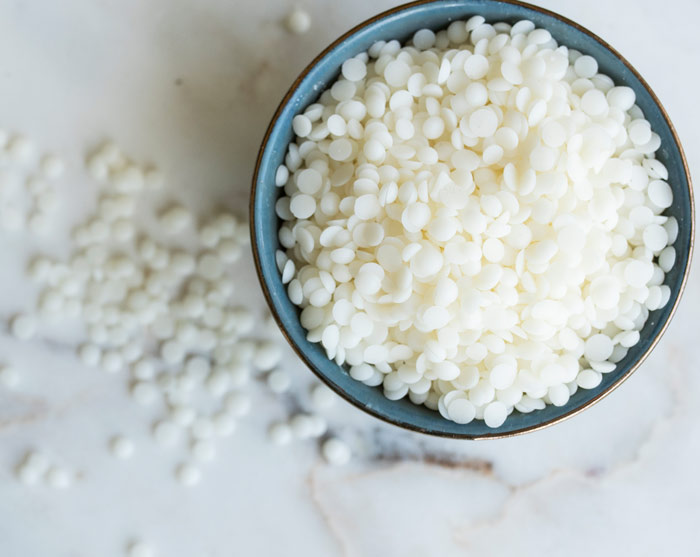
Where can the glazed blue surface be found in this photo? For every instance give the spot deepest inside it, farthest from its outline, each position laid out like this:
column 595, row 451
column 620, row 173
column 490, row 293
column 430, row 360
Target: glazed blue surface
column 401, row 25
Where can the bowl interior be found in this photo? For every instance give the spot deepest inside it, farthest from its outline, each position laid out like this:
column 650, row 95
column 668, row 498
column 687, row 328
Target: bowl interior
column 400, row 24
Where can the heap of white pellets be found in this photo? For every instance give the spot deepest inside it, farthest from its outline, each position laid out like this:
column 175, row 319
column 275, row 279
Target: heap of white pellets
column 474, row 220
column 164, row 312
column 159, row 309
column 28, row 198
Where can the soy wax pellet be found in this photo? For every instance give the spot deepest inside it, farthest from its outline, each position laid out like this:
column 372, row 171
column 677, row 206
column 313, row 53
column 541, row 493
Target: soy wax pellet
column 121, row 447
column 52, row 166
column 23, row 326
column 336, row 451
column 298, row 21
column 188, row 474
column 279, row 381
column 280, row 434
column 58, row 477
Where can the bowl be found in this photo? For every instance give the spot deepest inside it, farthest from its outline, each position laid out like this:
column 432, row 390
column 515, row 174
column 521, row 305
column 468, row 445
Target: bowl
column 400, row 23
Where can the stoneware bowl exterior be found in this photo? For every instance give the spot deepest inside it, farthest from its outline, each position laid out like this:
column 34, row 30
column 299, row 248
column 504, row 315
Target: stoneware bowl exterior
column 400, row 23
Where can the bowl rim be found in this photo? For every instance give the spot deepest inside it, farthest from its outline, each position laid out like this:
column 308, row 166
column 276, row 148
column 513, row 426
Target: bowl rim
column 398, row 422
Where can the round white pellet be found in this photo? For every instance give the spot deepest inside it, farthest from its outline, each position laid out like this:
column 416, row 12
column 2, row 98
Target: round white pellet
column 302, row 426
column 144, row 392
column 97, row 167
column 302, row 205
column 628, row 339
column 112, row 361
column 553, row 134
column 144, row 369
column 132, row 352
column 175, row 219
column 183, row 416
column 319, row 426
column 128, row 179
column 594, row 102
column 638, row 273
column 588, row 379
column 209, row 266
column 23, row 326
column 374, row 150
column 424, row 39
column 188, row 474
column 202, row 428
column 461, row 411
column 309, row 181
column 34, row 465
column 267, row 355
column 558, row 394
column 660, row 193
column 367, row 206
column 338, row 127
column 397, row 73
column 655, row 237
column 511, row 72
column 281, row 176
column 667, row 258
column 336, row 452
column 621, row 97
column 197, row 366
column 224, row 424
column 166, row 433
column 279, row 381
column 90, row 354
column 483, row 122
column 28, row 475
column 59, row 478
column 476, row 66
column 121, row 447
column 229, row 251
column 340, row 150
column 605, row 292
column 20, row 149
column 298, row 21
column 301, row 125
column 209, row 236
column 586, row 66
column 598, row 348
column 354, row 69
column 238, row 403
column 52, row 166
column 172, row 352
column 433, row 127
column 502, row 375
column 218, row 383
column 495, row 414
column 280, row 434
column 203, row 450
column 639, row 132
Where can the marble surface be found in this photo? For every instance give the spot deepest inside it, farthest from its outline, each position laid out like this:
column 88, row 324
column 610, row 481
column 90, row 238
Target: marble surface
column 192, row 85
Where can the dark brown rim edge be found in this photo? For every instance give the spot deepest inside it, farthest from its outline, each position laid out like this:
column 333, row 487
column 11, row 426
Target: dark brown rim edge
column 405, row 425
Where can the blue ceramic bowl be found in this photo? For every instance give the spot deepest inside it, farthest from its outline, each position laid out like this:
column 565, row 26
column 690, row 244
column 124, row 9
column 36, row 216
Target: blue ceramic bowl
column 400, row 23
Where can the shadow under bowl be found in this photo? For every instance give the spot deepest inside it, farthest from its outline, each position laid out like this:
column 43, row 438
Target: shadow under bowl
column 401, row 23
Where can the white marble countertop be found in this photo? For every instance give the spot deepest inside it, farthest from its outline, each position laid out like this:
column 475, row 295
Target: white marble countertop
column 192, row 85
